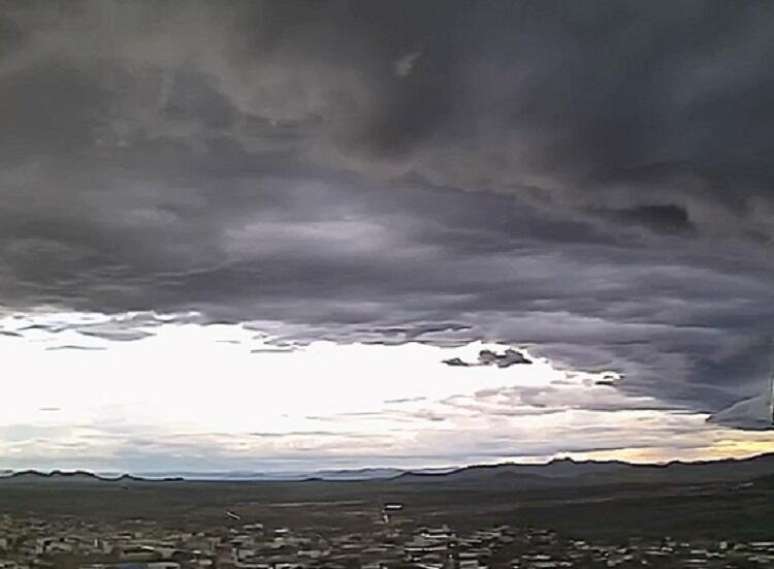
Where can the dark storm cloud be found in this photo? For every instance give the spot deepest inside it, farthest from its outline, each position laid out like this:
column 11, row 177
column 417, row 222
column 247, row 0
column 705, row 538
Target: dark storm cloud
column 593, row 179
column 488, row 357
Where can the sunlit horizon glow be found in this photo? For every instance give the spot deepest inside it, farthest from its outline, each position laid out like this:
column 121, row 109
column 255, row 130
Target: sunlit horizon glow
column 117, row 394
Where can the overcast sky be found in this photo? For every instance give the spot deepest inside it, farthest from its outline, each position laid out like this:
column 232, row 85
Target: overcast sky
column 248, row 234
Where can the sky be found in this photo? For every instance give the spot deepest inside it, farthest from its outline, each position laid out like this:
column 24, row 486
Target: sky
column 276, row 235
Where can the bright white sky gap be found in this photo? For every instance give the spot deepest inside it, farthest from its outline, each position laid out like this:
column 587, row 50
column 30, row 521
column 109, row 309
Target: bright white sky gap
column 193, row 397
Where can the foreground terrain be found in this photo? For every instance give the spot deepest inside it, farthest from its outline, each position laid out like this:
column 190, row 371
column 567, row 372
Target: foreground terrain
column 579, row 516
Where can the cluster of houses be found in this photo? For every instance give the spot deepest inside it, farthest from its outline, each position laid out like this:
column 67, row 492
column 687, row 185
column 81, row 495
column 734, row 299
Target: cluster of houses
column 74, row 544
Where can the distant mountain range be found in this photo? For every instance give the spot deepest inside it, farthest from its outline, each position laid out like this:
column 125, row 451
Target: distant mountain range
column 559, row 472
column 330, row 474
column 568, row 472
column 68, row 476
column 234, row 476
column 347, row 474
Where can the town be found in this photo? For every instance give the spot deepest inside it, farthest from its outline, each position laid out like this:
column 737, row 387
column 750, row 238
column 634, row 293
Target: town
column 68, row 542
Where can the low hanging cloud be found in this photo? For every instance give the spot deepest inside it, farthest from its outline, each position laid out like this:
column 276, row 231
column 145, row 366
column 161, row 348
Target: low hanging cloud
column 755, row 413
column 488, row 357
column 75, row 347
column 592, row 182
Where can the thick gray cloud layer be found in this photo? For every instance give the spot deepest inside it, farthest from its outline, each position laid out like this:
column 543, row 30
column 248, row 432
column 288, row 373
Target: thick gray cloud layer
column 592, row 179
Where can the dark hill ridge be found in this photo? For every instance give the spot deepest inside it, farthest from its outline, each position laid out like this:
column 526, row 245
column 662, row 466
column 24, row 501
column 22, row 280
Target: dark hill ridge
column 82, row 476
column 562, row 472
